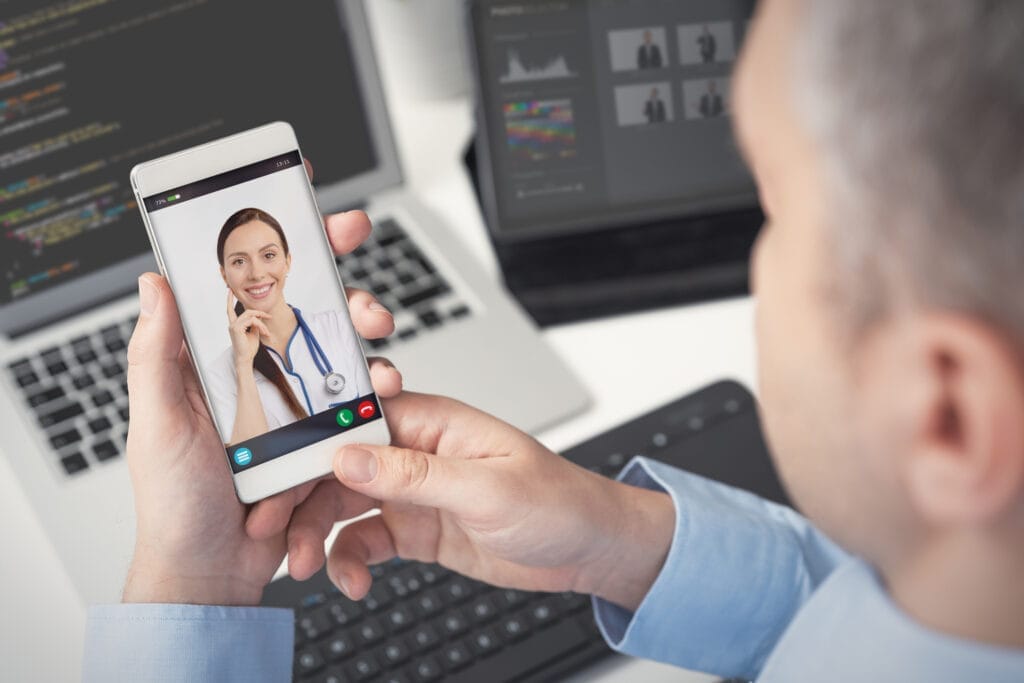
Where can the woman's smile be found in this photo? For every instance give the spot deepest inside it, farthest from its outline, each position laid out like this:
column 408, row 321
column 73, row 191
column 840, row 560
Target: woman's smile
column 260, row 291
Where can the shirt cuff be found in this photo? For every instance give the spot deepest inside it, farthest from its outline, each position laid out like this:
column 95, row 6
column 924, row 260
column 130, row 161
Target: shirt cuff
column 733, row 578
column 155, row 642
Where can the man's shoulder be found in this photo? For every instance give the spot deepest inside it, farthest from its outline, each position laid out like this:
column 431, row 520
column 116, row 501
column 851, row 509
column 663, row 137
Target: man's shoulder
column 852, row 630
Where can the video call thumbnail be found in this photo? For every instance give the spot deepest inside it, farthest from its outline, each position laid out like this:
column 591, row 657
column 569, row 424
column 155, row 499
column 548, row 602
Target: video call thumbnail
column 706, row 98
column 540, row 130
column 711, row 43
column 644, row 104
column 639, row 49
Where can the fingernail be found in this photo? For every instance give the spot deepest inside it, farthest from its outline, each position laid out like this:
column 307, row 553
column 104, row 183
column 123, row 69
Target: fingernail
column 375, row 306
column 148, row 296
column 358, row 466
column 344, row 584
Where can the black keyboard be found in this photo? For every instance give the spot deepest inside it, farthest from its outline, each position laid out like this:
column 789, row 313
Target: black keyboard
column 78, row 391
column 421, row 622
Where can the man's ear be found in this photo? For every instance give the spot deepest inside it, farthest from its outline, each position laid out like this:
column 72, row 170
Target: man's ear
column 966, row 464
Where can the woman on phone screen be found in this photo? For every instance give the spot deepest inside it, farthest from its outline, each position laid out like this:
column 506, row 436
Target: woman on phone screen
column 282, row 365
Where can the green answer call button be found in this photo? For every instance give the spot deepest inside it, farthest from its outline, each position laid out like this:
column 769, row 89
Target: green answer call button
column 345, row 417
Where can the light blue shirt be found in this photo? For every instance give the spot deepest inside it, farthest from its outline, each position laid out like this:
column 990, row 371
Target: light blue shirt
column 749, row 589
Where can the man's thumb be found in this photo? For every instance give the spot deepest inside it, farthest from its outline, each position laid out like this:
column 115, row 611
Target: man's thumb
column 402, row 475
column 156, row 343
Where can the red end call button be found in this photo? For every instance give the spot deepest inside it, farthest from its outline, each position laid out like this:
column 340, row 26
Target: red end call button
column 366, row 410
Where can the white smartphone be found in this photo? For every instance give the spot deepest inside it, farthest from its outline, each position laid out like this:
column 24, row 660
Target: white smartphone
column 239, row 237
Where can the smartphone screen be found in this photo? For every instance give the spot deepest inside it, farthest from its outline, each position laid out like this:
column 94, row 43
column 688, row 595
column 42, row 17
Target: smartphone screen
column 263, row 310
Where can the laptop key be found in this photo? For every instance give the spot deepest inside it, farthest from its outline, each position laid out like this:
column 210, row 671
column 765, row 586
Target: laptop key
column 64, row 414
column 85, row 356
column 99, row 424
column 27, row 379
column 83, row 381
column 74, row 463
column 112, row 370
column 430, row 318
column 410, row 300
column 22, row 366
column 45, row 396
column 67, row 438
column 57, row 368
column 123, row 413
column 102, row 398
column 105, row 450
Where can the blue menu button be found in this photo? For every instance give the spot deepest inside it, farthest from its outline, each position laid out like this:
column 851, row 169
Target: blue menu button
column 243, row 456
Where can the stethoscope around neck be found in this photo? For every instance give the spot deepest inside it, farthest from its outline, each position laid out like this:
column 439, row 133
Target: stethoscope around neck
column 334, row 382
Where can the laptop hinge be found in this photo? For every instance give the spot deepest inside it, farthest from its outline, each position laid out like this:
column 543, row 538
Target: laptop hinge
column 16, row 332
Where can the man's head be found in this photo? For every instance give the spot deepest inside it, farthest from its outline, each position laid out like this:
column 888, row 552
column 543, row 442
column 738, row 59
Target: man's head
column 889, row 273
column 655, row 93
column 712, row 87
column 648, row 37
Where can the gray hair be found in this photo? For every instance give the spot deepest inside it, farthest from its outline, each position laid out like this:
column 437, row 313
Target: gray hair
column 919, row 106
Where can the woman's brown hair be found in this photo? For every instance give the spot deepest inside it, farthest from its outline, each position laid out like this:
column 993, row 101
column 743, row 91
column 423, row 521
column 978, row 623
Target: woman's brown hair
column 261, row 362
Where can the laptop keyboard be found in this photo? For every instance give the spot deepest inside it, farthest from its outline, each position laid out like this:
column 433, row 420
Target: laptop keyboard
column 78, row 391
column 393, row 269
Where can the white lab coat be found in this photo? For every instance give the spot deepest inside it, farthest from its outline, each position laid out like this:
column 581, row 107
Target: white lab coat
column 334, row 332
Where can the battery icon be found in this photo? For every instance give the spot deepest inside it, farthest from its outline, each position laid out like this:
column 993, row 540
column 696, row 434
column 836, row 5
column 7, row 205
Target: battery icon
column 174, row 198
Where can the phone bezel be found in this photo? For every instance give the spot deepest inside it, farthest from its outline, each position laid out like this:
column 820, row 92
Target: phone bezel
column 195, row 164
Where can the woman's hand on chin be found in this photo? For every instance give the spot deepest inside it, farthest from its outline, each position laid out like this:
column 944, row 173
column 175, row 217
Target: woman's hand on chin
column 245, row 331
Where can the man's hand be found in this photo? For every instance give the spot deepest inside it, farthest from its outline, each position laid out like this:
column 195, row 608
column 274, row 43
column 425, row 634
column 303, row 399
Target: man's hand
column 478, row 496
column 191, row 541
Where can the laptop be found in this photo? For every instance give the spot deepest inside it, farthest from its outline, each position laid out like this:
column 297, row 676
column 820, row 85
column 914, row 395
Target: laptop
column 605, row 160
column 87, row 99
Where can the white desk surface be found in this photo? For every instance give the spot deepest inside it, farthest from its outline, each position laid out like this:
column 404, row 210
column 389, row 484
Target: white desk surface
column 669, row 352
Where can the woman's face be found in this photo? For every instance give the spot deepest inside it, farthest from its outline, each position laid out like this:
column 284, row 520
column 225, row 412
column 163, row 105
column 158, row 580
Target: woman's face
column 255, row 266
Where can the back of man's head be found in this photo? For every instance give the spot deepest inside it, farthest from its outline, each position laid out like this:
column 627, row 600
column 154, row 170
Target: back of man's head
column 921, row 106
column 887, row 139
